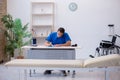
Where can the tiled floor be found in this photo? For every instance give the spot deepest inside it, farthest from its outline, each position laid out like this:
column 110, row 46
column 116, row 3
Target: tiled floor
column 13, row 74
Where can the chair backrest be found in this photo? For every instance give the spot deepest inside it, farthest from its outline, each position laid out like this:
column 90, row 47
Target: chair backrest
column 114, row 39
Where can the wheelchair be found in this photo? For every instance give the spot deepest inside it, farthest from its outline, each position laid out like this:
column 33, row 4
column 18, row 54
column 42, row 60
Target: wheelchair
column 106, row 48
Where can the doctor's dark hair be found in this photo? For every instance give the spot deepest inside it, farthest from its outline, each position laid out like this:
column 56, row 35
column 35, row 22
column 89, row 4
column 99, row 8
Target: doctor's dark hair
column 62, row 30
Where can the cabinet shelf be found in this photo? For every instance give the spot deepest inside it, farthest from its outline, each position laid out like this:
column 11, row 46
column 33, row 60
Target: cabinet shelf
column 42, row 25
column 41, row 37
column 42, row 14
column 42, row 3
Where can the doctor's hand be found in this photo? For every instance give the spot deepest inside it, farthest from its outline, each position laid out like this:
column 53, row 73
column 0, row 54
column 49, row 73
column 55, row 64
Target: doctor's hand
column 57, row 45
column 48, row 44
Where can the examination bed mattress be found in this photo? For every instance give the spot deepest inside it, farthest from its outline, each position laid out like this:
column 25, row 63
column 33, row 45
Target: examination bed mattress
column 103, row 61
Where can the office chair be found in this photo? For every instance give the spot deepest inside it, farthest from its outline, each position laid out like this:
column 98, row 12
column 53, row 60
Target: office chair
column 106, row 48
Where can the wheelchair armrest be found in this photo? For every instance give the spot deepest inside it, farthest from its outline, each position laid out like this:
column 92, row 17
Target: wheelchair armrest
column 106, row 41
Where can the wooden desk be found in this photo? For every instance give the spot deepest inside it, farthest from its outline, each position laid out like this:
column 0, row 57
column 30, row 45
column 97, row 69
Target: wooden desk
column 43, row 52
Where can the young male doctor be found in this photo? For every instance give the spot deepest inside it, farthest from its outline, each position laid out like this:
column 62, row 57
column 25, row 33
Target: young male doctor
column 57, row 39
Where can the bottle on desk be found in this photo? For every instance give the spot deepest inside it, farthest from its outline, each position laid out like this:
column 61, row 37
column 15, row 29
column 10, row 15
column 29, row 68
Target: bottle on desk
column 34, row 40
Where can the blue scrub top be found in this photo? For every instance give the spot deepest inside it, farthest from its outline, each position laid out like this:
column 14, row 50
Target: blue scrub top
column 58, row 40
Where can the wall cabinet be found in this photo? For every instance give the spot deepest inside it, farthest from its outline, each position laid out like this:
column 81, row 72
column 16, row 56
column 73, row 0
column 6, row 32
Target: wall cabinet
column 42, row 20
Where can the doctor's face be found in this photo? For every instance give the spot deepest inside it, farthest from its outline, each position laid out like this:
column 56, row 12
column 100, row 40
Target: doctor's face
column 59, row 34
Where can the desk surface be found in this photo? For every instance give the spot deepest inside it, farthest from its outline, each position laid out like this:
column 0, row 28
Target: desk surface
column 45, row 47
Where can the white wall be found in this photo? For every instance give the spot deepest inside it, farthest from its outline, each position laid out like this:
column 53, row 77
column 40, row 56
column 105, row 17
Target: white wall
column 87, row 26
